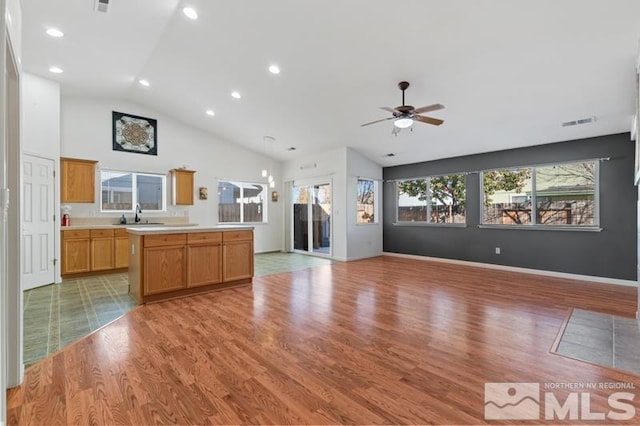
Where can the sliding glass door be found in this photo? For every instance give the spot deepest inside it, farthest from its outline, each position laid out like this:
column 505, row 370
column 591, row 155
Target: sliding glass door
column 312, row 218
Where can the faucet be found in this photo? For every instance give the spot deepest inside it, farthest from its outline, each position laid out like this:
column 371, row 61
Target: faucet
column 138, row 217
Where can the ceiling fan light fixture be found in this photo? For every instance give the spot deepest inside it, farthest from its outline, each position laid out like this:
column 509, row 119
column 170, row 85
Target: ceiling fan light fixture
column 403, row 123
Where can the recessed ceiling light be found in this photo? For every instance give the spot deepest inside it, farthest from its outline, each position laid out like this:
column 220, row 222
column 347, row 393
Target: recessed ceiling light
column 210, row 112
column 274, row 69
column 235, row 95
column 54, row 32
column 190, row 13
column 55, row 70
column 291, row 148
column 145, row 83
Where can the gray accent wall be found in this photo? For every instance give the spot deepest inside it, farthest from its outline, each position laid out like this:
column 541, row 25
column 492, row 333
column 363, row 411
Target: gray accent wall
column 610, row 253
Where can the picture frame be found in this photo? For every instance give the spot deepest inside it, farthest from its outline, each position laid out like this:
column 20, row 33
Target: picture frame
column 274, row 196
column 133, row 133
column 203, row 193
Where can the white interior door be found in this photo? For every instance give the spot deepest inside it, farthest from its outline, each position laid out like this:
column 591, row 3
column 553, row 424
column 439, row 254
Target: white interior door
column 38, row 210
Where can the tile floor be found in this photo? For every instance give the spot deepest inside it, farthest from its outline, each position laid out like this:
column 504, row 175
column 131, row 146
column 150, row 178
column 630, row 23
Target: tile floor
column 602, row 339
column 58, row 314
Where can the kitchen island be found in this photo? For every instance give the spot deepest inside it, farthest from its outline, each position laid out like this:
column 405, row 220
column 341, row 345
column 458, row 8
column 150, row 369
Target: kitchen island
column 166, row 262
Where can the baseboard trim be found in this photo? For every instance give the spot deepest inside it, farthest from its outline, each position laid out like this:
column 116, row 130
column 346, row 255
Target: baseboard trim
column 600, row 280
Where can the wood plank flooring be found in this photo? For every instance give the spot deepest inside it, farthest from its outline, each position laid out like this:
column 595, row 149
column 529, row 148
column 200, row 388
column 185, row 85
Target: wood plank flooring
column 378, row 341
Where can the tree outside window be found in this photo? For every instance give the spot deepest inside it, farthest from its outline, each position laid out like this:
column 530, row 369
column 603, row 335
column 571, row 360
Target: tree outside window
column 366, row 201
column 557, row 194
column 434, row 199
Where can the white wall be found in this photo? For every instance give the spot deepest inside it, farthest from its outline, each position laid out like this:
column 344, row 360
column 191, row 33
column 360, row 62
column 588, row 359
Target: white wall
column 40, row 104
column 328, row 165
column 86, row 133
column 363, row 240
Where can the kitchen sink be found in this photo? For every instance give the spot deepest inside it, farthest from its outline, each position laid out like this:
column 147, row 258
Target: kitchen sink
column 129, row 225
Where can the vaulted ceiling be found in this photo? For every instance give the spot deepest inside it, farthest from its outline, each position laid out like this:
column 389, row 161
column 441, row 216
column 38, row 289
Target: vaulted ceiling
column 509, row 72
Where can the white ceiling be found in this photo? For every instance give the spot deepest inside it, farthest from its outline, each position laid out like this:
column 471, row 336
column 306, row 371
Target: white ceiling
column 508, row 71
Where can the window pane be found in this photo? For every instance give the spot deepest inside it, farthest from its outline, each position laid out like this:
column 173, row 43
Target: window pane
column 507, row 197
column 116, row 190
column 365, row 204
column 565, row 194
column 253, row 204
column 151, row 190
column 228, row 202
column 447, row 199
column 412, row 201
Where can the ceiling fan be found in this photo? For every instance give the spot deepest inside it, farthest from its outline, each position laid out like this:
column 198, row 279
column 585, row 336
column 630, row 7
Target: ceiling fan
column 405, row 115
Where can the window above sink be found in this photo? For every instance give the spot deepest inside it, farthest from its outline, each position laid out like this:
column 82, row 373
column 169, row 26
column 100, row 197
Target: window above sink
column 120, row 191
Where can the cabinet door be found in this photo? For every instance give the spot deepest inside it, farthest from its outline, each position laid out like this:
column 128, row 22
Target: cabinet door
column 205, row 265
column 76, row 255
column 183, row 187
column 237, row 260
column 165, row 269
column 122, row 252
column 102, row 254
column 77, row 181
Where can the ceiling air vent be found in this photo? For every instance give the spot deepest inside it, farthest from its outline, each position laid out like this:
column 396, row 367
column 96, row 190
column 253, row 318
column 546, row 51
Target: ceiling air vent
column 578, row 122
column 102, row 6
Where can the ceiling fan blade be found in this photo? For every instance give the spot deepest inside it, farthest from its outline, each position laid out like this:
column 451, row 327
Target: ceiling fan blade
column 377, row 121
column 388, row 109
column 433, row 107
column 429, row 120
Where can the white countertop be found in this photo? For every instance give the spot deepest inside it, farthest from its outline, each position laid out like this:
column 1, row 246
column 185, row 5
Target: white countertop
column 148, row 230
column 128, row 226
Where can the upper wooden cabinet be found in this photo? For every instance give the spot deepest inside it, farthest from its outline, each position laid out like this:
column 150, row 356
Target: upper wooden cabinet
column 182, row 187
column 77, row 180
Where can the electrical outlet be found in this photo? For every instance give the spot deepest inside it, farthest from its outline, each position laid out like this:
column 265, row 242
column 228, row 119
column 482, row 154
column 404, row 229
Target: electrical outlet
column 497, row 250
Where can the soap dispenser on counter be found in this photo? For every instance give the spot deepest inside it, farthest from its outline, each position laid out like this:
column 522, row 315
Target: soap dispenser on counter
column 123, row 220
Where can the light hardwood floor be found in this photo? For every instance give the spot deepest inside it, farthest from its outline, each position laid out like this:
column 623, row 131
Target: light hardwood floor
column 384, row 340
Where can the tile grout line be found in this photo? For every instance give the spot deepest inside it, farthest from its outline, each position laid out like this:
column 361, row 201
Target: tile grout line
column 613, row 341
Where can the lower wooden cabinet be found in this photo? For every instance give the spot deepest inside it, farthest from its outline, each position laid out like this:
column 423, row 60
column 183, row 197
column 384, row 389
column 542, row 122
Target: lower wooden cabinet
column 204, row 259
column 76, row 251
column 237, row 255
column 94, row 250
column 165, row 269
column 121, row 241
column 163, row 266
column 102, row 250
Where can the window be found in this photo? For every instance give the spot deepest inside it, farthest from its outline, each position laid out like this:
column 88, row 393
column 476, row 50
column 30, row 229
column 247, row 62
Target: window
column 241, row 202
column 551, row 195
column 121, row 191
column 435, row 199
column 366, row 202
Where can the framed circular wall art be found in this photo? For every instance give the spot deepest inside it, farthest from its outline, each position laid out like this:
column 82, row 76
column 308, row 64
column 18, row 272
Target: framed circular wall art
column 132, row 133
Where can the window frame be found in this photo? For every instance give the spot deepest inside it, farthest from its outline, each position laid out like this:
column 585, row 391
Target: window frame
column 134, row 191
column 265, row 201
column 376, row 201
column 428, row 178
column 596, row 227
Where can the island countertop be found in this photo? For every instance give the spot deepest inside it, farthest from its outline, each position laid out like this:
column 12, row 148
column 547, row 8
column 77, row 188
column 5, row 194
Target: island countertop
column 152, row 230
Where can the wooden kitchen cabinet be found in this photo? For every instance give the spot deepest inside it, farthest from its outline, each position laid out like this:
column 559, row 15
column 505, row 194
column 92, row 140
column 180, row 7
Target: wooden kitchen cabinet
column 94, row 250
column 77, row 180
column 204, row 258
column 102, row 250
column 76, row 251
column 237, row 255
column 121, row 244
column 183, row 186
column 165, row 263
